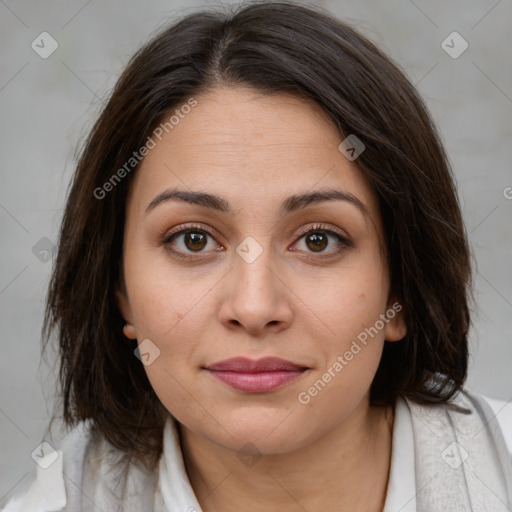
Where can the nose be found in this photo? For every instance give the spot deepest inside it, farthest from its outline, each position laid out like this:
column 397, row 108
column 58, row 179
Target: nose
column 256, row 297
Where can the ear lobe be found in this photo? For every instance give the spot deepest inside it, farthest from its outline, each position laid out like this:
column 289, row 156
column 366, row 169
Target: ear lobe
column 396, row 328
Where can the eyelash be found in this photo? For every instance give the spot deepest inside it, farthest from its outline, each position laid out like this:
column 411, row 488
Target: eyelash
column 317, row 228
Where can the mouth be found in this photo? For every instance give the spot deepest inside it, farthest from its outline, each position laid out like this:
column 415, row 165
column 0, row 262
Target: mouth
column 256, row 376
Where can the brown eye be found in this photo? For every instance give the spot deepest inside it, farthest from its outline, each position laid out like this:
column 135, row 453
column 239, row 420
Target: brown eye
column 195, row 241
column 316, row 241
column 323, row 242
column 183, row 243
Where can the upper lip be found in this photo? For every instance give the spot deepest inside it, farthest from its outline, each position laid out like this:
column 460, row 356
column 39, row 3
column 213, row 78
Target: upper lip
column 245, row 365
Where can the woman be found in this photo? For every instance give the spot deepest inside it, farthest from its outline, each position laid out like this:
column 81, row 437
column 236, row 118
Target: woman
column 250, row 292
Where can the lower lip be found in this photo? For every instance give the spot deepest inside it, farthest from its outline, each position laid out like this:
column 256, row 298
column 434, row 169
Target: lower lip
column 258, row 381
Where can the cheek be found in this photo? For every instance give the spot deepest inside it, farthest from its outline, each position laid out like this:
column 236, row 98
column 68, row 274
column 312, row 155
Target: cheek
column 349, row 358
column 172, row 386
column 161, row 296
column 169, row 309
column 173, row 321
column 352, row 354
column 348, row 300
column 173, row 374
column 351, row 336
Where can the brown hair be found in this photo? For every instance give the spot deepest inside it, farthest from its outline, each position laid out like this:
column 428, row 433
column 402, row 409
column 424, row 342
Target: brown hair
column 272, row 47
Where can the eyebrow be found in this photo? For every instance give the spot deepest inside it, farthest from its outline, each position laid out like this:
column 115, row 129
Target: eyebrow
column 289, row 205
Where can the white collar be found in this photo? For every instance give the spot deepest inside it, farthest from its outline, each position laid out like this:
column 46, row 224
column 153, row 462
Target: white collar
column 173, row 481
column 401, row 491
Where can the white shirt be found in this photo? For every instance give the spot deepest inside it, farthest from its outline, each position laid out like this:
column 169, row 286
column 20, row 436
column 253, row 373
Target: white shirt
column 401, row 492
column 174, row 491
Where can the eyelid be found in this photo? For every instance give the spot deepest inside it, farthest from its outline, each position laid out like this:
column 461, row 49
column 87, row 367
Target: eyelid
column 184, row 228
column 325, row 227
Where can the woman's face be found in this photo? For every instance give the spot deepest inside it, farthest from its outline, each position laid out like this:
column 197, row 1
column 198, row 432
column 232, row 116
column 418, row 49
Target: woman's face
column 268, row 269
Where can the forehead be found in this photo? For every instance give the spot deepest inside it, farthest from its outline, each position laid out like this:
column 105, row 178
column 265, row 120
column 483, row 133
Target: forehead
column 255, row 149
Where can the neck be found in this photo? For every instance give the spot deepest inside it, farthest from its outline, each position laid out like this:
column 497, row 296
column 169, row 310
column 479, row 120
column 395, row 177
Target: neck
column 347, row 469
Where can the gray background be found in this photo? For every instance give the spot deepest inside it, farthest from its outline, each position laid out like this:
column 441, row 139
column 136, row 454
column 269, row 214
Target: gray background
column 48, row 105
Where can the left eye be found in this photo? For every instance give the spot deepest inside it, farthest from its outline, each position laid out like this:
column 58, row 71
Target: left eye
column 317, row 240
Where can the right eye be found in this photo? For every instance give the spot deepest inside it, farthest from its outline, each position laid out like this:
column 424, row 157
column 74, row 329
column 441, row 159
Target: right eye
column 185, row 242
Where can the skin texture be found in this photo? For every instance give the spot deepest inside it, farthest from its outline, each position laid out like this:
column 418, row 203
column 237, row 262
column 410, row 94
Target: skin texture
column 291, row 302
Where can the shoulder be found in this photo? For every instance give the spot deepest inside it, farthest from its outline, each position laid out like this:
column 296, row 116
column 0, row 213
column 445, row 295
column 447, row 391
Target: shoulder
column 470, row 411
column 496, row 414
column 56, row 470
column 503, row 412
column 86, row 464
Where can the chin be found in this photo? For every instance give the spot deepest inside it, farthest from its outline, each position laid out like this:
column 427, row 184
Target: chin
column 265, row 434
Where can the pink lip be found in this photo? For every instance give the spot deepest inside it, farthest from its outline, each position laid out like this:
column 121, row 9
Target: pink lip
column 256, row 376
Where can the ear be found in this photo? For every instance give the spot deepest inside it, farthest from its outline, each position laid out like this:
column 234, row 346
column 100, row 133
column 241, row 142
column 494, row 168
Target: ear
column 126, row 310
column 396, row 327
